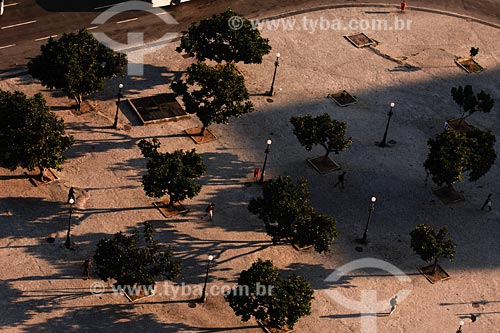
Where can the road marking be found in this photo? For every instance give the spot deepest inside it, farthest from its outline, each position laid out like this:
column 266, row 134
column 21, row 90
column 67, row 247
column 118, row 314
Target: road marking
column 162, row 13
column 38, row 39
column 11, row 4
column 103, row 7
column 129, row 20
column 6, row 46
column 95, row 27
column 16, row 25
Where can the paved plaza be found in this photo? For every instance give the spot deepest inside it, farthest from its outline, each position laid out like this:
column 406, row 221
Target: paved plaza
column 40, row 284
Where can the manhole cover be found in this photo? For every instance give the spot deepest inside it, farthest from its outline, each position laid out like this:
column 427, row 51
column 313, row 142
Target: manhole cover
column 476, row 305
column 269, row 100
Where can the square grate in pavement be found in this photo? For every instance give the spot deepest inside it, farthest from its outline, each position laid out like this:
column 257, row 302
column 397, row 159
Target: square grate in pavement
column 157, row 108
column 360, row 40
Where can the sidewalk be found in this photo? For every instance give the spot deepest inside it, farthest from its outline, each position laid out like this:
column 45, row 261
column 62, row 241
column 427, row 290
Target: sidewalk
column 40, row 281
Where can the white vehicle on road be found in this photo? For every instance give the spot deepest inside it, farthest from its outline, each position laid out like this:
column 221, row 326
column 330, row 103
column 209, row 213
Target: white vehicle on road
column 161, row 3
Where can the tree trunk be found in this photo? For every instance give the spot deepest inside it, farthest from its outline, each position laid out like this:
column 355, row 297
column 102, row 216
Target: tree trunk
column 170, row 201
column 43, row 177
column 434, row 267
column 78, row 99
column 325, row 157
column 202, row 132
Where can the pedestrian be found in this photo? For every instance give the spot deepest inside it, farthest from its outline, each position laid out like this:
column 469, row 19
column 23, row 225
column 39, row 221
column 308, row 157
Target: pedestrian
column 210, row 210
column 487, row 202
column 87, row 267
column 394, row 304
column 340, row 179
column 446, row 125
column 403, row 6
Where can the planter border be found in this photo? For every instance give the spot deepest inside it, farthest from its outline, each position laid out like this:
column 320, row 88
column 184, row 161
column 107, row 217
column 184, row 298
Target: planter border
column 422, row 271
column 459, row 64
column 372, row 42
column 198, row 139
column 335, row 168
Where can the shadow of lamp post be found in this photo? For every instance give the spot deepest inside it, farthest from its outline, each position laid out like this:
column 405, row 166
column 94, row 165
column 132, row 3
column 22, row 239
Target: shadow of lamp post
column 204, row 292
column 265, row 161
column 71, row 201
column 383, row 143
column 276, row 64
column 120, row 87
column 370, row 211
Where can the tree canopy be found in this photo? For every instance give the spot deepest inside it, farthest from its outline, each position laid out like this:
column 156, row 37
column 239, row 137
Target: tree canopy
column 31, row 136
column 261, row 293
column 431, row 244
column 321, row 130
column 77, row 64
column 214, row 94
column 225, row 37
column 173, row 174
column 469, row 102
column 286, row 211
column 121, row 258
column 453, row 153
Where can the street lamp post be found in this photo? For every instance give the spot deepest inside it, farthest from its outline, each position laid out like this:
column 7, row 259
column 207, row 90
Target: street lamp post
column 383, row 143
column 265, row 161
column 370, row 211
column 203, row 293
column 120, row 87
column 461, row 323
column 71, row 201
column 276, row 64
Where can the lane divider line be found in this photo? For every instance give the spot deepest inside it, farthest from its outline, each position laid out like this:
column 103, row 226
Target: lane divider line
column 38, row 39
column 6, row 46
column 129, row 20
column 18, row 24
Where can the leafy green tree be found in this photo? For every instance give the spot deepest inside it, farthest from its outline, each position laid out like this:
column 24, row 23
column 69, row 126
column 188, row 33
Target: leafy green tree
column 470, row 103
column 431, row 245
column 225, row 37
column 31, row 136
column 321, row 130
column 454, row 153
column 77, row 64
column 214, row 93
column 262, row 294
column 173, row 174
column 121, row 258
column 286, row 211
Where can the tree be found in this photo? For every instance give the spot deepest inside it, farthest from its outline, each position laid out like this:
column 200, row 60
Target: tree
column 214, row 93
column 121, row 258
column 285, row 209
column 262, row 294
column 470, row 103
column 77, row 64
column 321, row 130
column 31, row 136
column 173, row 174
column 453, row 153
column 224, row 37
column 431, row 245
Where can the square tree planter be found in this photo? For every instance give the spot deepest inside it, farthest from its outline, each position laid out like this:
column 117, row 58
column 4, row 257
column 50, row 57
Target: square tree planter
column 176, row 209
column 198, row 139
column 448, row 195
column 268, row 329
column 439, row 275
column 469, row 65
column 323, row 165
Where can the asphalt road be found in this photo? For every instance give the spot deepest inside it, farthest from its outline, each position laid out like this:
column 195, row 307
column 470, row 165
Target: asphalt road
column 27, row 24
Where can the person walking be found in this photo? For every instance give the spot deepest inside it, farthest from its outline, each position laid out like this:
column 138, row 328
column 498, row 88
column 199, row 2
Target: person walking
column 340, row 178
column 394, row 304
column 210, row 210
column 87, row 267
column 487, row 202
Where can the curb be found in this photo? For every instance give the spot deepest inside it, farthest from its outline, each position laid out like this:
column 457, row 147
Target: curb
column 8, row 74
column 383, row 5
